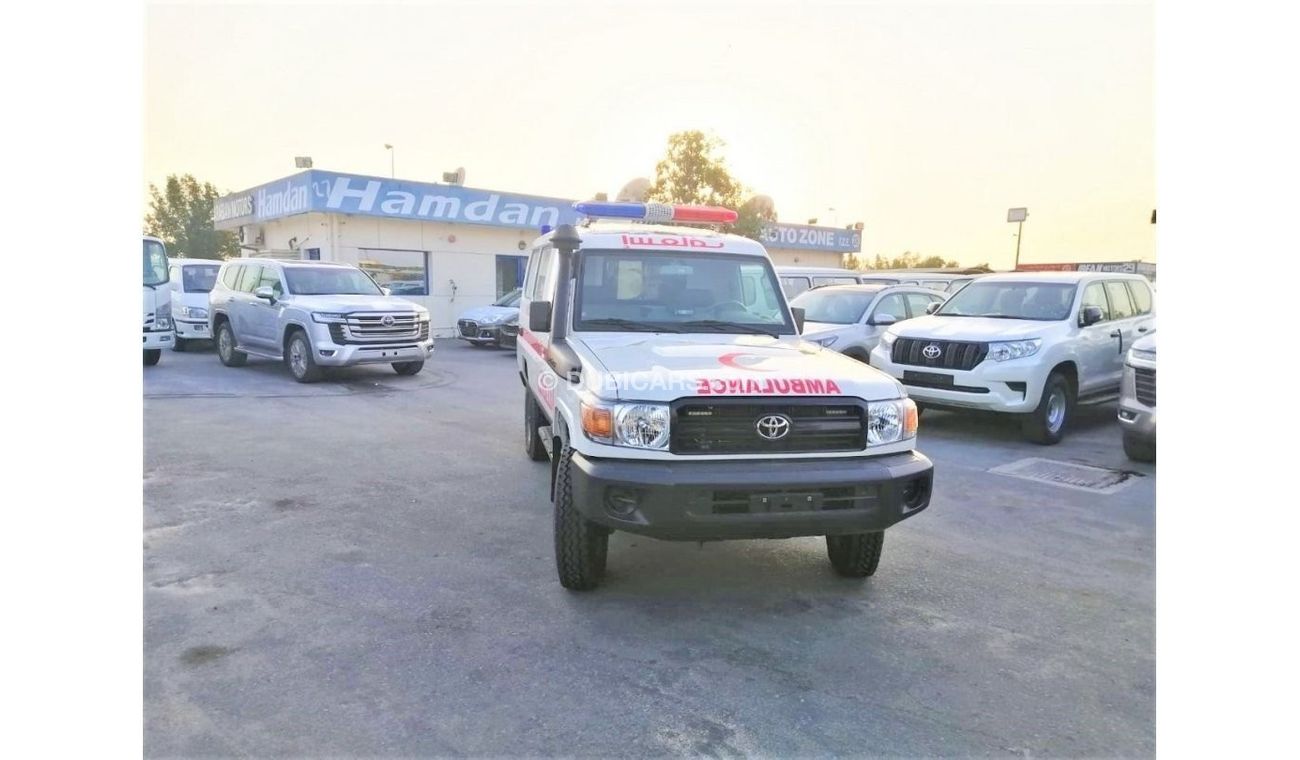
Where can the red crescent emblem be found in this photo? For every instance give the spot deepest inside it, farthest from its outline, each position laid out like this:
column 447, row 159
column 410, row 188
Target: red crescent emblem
column 732, row 360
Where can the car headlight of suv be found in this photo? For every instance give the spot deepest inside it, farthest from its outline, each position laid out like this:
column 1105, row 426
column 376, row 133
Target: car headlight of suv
column 193, row 312
column 638, row 426
column 328, row 317
column 422, row 316
column 1013, row 349
column 1141, row 355
column 891, row 421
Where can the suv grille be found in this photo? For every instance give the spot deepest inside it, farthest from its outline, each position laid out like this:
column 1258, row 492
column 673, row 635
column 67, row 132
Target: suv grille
column 468, row 328
column 952, row 354
column 379, row 327
column 1145, row 385
column 731, row 427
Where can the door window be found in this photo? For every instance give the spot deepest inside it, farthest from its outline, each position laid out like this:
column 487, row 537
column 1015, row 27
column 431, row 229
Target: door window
column 230, row 277
column 891, row 304
column 1120, row 304
column 542, row 281
column 249, row 275
column 793, row 286
column 1141, row 296
column 917, row 303
column 271, row 279
column 1095, row 295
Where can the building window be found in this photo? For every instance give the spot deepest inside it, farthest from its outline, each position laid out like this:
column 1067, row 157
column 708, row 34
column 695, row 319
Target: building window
column 405, row 273
column 510, row 273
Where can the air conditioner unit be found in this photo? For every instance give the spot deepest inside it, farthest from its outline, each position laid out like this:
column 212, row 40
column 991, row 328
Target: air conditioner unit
column 251, row 235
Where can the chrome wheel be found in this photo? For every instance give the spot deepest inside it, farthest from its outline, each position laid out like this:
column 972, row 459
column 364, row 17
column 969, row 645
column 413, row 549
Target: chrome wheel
column 297, row 357
column 1056, row 410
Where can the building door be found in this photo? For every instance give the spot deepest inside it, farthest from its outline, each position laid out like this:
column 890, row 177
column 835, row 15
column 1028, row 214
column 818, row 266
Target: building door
column 510, row 273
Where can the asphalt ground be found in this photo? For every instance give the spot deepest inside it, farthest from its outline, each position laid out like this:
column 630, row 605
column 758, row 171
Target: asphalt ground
column 364, row 567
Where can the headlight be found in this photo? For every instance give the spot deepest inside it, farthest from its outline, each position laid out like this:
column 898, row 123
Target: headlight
column 826, row 342
column 328, row 317
column 422, row 316
column 641, row 426
column 888, row 338
column 1137, row 353
column 163, row 321
column 1013, row 349
column 193, row 312
column 891, row 421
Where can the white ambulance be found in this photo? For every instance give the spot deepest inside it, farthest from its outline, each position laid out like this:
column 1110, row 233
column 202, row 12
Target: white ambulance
column 668, row 387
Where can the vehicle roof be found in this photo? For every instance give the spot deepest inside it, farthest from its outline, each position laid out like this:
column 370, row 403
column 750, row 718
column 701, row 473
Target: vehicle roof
column 1062, row 277
column 873, row 288
column 815, row 270
column 289, row 263
column 608, row 235
column 183, row 261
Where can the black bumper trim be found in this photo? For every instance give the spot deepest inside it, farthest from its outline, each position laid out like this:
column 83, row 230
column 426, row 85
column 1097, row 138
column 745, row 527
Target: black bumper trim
column 695, row 501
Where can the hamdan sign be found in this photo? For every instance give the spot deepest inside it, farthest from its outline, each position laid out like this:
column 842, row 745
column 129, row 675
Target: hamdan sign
column 328, row 192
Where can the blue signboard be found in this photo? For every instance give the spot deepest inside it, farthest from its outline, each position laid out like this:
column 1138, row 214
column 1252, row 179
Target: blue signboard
column 331, row 192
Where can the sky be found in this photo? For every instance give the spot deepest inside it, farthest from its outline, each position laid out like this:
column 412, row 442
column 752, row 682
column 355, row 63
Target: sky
column 923, row 122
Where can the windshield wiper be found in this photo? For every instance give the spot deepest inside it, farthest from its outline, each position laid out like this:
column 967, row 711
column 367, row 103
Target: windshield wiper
column 720, row 325
column 629, row 325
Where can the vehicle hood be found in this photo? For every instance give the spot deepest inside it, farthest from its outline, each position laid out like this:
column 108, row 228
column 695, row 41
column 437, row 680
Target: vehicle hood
column 1146, row 343
column 971, row 328
column 489, row 313
column 817, row 328
column 193, row 300
column 657, row 367
column 346, row 303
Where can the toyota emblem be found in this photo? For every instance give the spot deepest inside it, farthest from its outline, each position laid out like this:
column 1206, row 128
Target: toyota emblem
column 932, row 351
column 773, row 427
column 388, row 320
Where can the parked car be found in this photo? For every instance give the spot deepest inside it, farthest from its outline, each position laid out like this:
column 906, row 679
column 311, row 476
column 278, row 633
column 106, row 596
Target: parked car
column 795, row 280
column 667, row 384
column 510, row 332
column 1030, row 343
column 157, row 311
column 313, row 314
column 851, row 318
column 481, row 325
column 1137, row 400
column 191, row 281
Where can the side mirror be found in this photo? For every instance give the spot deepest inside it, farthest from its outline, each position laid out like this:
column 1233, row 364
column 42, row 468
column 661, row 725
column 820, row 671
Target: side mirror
column 539, row 316
column 1090, row 315
column 265, row 292
column 933, row 307
column 883, row 320
column 798, row 313
column 387, row 291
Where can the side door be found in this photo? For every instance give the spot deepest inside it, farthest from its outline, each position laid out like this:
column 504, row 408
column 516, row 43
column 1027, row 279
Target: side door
column 539, row 285
column 1096, row 344
column 889, row 305
column 263, row 316
column 240, row 306
column 1126, row 323
column 1145, row 306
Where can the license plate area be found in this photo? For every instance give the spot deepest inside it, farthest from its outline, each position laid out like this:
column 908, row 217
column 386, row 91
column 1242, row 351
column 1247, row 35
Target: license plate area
column 929, row 379
column 785, row 502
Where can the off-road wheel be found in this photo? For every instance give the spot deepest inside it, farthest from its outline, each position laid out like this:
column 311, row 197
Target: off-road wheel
column 1046, row 424
column 408, row 368
column 297, row 355
column 532, row 438
column 151, row 356
column 856, row 555
column 581, row 546
column 1139, row 449
column 226, row 351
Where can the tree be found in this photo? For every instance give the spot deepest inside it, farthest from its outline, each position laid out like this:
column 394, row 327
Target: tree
column 181, row 214
column 694, row 172
column 910, row 260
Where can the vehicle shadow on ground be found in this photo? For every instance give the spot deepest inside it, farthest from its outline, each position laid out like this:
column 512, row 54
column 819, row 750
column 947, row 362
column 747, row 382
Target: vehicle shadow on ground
column 1005, row 428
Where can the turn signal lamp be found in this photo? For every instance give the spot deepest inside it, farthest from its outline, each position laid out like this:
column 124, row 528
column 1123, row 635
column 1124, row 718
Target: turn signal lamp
column 597, row 423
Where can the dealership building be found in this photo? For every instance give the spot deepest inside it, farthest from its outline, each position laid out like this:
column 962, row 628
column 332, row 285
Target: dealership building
column 447, row 247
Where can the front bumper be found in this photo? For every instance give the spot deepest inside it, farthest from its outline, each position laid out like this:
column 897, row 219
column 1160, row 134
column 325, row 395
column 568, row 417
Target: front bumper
column 1136, row 418
column 1014, row 386
column 484, row 334
column 333, row 355
column 192, row 329
column 700, row 501
column 157, row 339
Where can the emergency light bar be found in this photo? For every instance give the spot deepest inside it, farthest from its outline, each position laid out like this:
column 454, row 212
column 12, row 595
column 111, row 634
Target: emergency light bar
column 656, row 212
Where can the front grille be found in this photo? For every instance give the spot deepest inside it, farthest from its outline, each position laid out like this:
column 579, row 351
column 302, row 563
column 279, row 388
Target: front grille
column 731, row 427
column 952, row 354
column 468, row 328
column 805, row 499
column 370, row 327
column 1145, row 382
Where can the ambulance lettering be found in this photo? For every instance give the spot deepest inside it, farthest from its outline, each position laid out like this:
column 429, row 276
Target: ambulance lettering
column 640, row 241
column 799, row 386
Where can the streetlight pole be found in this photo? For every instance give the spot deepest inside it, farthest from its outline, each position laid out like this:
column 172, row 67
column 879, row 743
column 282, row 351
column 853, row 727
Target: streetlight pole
column 392, row 161
column 1018, row 215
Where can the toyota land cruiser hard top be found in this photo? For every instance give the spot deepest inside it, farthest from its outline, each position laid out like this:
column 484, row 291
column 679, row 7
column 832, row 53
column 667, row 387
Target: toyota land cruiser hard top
column 668, row 387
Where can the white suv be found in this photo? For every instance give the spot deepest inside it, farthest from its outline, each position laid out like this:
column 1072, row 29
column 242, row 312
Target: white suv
column 669, row 389
column 1033, row 344
column 311, row 314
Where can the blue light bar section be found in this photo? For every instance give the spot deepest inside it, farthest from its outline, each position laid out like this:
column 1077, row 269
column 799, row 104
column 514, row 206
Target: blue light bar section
column 611, row 210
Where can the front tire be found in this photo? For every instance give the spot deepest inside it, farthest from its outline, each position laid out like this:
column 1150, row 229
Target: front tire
column 179, row 343
column 298, row 356
column 581, row 546
column 226, row 351
column 1139, row 449
column 856, row 555
column 1046, row 424
column 408, row 368
column 532, row 436
column 151, row 356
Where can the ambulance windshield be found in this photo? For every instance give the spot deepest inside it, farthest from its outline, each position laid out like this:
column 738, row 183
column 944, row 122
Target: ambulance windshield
column 640, row 290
